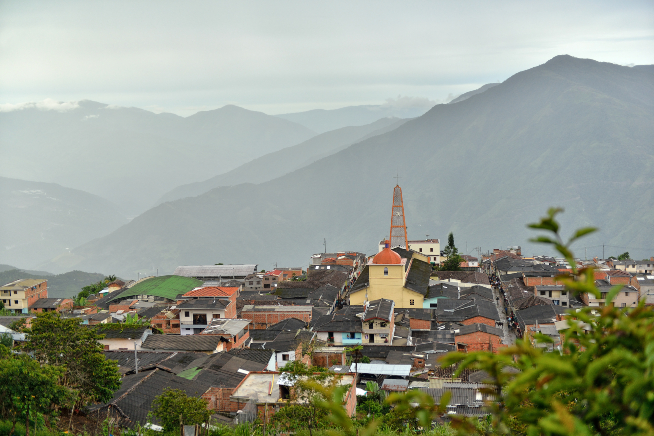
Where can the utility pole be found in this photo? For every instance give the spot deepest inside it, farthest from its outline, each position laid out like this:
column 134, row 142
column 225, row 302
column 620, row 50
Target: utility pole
column 603, row 252
column 324, row 241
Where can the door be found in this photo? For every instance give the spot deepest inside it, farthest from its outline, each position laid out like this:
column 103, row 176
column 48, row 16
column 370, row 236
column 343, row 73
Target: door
column 371, row 338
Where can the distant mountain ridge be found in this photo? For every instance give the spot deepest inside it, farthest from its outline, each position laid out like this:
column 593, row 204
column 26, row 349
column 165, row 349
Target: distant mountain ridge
column 278, row 163
column 325, row 120
column 110, row 151
column 469, row 94
column 572, row 132
column 42, row 220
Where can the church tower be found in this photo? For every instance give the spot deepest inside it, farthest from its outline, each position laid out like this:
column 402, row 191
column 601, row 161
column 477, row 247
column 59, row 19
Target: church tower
column 398, row 225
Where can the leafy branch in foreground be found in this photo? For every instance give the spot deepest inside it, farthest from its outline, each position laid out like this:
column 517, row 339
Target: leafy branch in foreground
column 601, row 381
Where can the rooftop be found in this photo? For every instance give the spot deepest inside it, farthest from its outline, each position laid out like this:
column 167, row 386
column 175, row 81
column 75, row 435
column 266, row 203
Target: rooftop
column 164, row 286
column 225, row 327
column 212, row 291
column 216, row 270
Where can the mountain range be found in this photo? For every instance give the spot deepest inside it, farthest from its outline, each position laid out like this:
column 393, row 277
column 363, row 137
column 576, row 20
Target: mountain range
column 131, row 156
column 572, row 132
column 276, row 164
column 40, row 221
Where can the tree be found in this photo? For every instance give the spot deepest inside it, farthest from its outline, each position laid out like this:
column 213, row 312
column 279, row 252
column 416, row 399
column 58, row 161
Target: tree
column 66, row 343
column 624, row 256
column 175, row 408
column 28, row 388
column 6, row 339
column 453, row 260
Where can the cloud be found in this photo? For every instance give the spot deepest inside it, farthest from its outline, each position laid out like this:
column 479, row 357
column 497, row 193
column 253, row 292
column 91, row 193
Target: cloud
column 45, row 105
column 407, row 102
column 90, row 116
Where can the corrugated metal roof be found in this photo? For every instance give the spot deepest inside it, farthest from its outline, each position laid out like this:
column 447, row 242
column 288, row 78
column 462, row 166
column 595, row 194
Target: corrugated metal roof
column 369, row 368
column 215, row 270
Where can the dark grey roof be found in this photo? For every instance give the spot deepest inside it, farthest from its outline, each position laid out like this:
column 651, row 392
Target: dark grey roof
column 288, row 325
column 263, row 335
column 362, row 281
column 379, row 309
column 179, row 361
column 150, row 312
column 343, row 320
column 531, row 315
column 100, row 316
column 461, row 310
column 427, row 347
column 125, row 359
column 261, row 356
column 418, row 278
column 293, row 292
column 204, row 303
column 381, row 351
column 182, row 343
column 47, row 303
column 477, row 291
column 395, row 357
column 220, row 378
column 423, row 314
column 119, row 331
column 104, row 302
column 132, row 402
column 444, row 336
column 478, row 327
column 256, row 295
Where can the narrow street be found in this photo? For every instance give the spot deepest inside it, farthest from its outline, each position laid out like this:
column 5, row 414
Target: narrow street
column 509, row 337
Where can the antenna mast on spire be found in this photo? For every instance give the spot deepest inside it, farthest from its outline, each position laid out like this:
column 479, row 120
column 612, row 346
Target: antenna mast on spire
column 398, row 225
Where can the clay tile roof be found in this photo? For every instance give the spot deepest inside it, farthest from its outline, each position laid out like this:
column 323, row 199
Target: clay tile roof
column 387, row 257
column 212, row 291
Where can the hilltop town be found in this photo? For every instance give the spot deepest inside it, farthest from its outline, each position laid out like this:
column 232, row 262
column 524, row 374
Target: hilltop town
column 224, row 332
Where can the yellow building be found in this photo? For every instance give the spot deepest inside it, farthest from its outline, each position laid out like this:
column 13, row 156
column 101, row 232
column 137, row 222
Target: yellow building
column 398, row 274
column 19, row 295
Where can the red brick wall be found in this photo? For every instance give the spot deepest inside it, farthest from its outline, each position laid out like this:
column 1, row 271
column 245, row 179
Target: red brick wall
column 218, row 400
column 262, row 320
column 485, row 347
column 539, row 281
column 327, row 360
column 230, row 310
column 476, row 338
column 419, row 324
column 479, row 320
column 39, row 291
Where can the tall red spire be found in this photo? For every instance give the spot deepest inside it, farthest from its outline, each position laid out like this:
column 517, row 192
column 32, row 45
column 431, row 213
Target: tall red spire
column 398, row 225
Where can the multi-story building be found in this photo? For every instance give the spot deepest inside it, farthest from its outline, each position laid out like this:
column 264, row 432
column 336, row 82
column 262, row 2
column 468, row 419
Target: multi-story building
column 202, row 305
column 19, row 295
column 431, row 248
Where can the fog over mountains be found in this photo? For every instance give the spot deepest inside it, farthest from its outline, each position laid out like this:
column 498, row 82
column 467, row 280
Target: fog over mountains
column 131, row 156
column 572, row 132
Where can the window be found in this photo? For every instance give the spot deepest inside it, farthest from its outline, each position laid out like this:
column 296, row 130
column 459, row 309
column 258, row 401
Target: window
column 421, row 250
column 433, row 304
column 371, row 325
column 626, row 294
column 285, row 357
column 564, row 303
column 412, row 302
column 624, row 305
column 542, row 292
column 385, row 271
column 604, row 294
column 216, row 315
column 431, row 250
column 383, row 324
column 564, row 292
column 15, row 292
column 187, row 314
column 15, row 301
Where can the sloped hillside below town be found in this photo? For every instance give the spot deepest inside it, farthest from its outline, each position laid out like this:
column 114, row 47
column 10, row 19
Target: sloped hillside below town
column 572, row 132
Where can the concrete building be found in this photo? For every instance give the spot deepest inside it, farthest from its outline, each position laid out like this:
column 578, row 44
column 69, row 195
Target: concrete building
column 19, row 295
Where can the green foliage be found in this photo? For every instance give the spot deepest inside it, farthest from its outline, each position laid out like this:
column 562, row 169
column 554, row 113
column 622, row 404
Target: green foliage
column 173, row 408
column 365, row 359
column 67, row 343
column 134, row 320
column 602, row 381
column 624, row 256
column 28, row 388
column 6, row 340
column 451, row 253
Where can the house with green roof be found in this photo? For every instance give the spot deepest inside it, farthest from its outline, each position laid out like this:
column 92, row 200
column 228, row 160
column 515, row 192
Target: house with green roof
column 163, row 288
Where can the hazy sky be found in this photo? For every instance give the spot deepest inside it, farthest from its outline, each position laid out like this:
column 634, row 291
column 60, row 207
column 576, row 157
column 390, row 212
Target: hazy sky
column 281, row 57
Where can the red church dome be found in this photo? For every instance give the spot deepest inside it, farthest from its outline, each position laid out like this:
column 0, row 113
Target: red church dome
column 387, row 257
